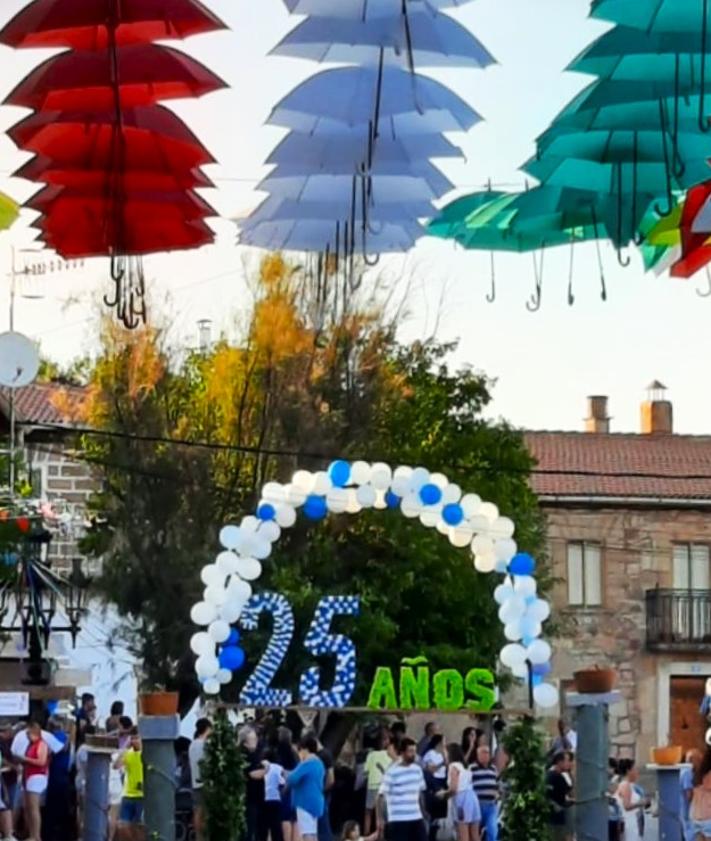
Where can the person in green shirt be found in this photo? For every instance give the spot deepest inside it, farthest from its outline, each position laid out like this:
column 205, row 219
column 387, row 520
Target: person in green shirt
column 131, row 813
column 376, row 764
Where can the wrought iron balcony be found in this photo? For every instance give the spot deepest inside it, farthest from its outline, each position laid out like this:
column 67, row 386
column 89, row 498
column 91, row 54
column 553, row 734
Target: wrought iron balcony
column 678, row 620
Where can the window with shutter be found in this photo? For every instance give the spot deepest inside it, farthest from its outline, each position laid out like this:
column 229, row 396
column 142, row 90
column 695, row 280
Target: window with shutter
column 584, row 574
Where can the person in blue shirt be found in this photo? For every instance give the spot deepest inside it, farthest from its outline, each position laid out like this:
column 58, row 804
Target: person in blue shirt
column 686, row 784
column 306, row 784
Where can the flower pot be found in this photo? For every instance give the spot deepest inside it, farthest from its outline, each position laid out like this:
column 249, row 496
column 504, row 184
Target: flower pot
column 158, row 703
column 667, row 756
column 102, row 741
column 595, row 681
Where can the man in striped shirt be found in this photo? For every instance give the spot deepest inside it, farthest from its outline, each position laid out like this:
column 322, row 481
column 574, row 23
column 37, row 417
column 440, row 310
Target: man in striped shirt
column 402, row 787
column 485, row 782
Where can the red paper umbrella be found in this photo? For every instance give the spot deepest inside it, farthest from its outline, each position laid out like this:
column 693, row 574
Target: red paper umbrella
column 68, row 204
column 83, row 25
column 84, row 178
column 695, row 253
column 80, row 80
column 152, row 138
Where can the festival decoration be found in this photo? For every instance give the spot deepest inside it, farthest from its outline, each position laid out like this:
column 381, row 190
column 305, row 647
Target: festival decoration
column 121, row 169
column 625, row 150
column 463, row 518
column 354, row 175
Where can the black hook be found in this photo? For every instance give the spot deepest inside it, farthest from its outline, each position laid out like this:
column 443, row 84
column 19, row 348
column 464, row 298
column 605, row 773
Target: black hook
column 638, row 238
column 535, row 303
column 703, row 121
column 623, row 261
column 571, row 297
column 707, row 293
column 491, row 296
column 667, row 168
column 603, row 286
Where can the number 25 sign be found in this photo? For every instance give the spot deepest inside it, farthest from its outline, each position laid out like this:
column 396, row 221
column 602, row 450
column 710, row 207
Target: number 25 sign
column 319, row 642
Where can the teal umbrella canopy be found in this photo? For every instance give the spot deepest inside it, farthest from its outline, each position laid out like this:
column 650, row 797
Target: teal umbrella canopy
column 653, row 15
column 454, row 214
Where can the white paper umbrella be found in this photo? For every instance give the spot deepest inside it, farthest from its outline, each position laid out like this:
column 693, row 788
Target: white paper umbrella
column 319, row 152
column 314, row 235
column 338, row 206
column 431, row 39
column 360, row 9
column 349, row 96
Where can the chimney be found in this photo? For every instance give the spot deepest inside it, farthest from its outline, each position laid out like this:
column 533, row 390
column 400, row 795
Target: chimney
column 204, row 335
column 657, row 414
column 597, row 419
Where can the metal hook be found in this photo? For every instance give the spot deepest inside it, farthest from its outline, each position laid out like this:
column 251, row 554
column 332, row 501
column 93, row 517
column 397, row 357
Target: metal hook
column 535, row 303
column 703, row 121
column 603, row 286
column 369, row 262
column 638, row 238
column 623, row 261
column 707, row 293
column 491, row 296
column 571, row 297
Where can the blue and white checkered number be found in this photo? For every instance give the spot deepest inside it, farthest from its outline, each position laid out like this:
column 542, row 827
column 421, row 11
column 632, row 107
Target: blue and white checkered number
column 319, row 641
column 257, row 690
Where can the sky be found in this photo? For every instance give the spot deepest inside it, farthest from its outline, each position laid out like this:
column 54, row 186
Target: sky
column 544, row 363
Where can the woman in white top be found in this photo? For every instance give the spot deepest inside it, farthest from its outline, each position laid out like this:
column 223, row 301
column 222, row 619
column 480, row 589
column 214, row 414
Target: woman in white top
column 434, row 762
column 466, row 813
column 630, row 799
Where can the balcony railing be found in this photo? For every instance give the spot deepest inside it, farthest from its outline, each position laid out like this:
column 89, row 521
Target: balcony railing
column 678, row 620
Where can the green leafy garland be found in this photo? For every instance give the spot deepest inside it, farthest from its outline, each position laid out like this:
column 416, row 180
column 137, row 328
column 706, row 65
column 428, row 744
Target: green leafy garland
column 527, row 808
column 223, row 778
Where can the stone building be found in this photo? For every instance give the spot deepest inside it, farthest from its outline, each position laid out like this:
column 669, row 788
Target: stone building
column 629, row 531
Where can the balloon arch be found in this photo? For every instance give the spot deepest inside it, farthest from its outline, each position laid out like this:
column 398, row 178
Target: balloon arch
column 465, row 520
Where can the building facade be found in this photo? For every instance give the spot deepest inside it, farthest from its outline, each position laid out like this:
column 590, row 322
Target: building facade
column 629, row 531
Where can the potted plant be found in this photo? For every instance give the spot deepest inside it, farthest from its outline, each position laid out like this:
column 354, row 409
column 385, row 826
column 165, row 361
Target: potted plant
column 668, row 754
column 224, row 782
column 595, row 681
column 158, row 702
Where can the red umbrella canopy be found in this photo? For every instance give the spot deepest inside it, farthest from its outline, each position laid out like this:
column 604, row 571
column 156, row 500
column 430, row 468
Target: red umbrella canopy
column 81, row 80
column 695, row 253
column 151, row 138
column 86, row 24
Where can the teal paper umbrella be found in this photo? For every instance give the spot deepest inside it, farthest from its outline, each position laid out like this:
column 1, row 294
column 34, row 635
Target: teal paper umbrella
column 654, row 15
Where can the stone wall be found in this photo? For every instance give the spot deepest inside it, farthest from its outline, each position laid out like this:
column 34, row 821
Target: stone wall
column 636, row 549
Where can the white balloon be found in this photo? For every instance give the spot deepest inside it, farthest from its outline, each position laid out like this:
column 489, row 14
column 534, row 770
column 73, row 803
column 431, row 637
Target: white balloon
column 512, row 655
column 403, row 471
column 442, row 527
column 212, row 576
column 512, row 631
column 211, row 687
column 239, row 590
column 249, row 568
column 545, row 695
column 203, row 613
column 460, row 536
column 294, row 495
column 540, row 610
column 420, row 476
column 270, row 531
column 231, row 610
column 215, row 596
column 224, row 676
column 512, row 610
column 539, row 652
column 479, row 523
column 360, row 472
column 381, row 476
column 206, row 665
column 430, row 517
column 274, row 493
column 227, row 564
column 451, row 494
column 411, row 507
column 380, row 504
column 202, row 643
column 440, row 480
column 352, row 504
column 502, row 567
column 482, row 545
column 366, row 496
column 219, row 630
column 503, row 593
column 400, row 486
column 229, row 536
column 250, row 524
column 261, row 549
column 505, row 549
column 304, row 481
column 502, row 528
column 337, row 500
column 490, row 511
column 285, row 516
column 484, row 563
column 322, row 483
column 525, row 585
column 471, row 503
column 520, row 671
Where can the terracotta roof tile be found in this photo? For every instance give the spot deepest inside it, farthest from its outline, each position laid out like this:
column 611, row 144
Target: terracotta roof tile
column 34, row 403
column 617, row 465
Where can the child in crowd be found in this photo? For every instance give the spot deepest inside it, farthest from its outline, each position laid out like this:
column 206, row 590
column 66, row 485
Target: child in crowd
column 351, row 832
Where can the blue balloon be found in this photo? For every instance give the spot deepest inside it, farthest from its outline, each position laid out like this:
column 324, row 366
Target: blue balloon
column 266, row 511
column 527, row 640
column 452, row 514
column 315, row 507
column 542, row 669
column 522, row 564
column 339, row 473
column 52, row 707
column 536, row 680
column 530, row 627
column 430, row 494
column 392, row 500
column 232, row 658
column 233, row 638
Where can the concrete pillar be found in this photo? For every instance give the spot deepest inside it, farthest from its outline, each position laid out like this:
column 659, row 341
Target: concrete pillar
column 96, row 801
column 158, row 733
column 592, row 755
column 669, row 788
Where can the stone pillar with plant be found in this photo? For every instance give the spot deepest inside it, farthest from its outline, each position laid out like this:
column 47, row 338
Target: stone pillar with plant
column 526, row 809
column 223, row 777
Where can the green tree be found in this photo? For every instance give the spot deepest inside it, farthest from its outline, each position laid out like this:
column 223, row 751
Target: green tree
column 527, row 806
column 223, row 779
column 307, row 375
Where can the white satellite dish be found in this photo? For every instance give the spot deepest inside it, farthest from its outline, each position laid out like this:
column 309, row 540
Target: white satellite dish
column 19, row 360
